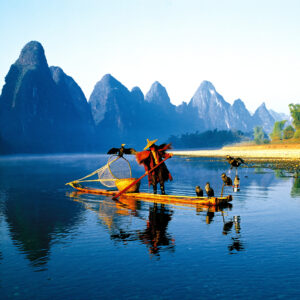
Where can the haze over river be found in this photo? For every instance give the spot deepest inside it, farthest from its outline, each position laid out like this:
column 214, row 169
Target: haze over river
column 58, row 244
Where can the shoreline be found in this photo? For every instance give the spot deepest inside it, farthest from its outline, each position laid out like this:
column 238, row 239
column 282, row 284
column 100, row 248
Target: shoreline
column 259, row 152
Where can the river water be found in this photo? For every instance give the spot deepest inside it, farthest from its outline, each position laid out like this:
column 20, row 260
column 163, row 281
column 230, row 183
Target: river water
column 57, row 244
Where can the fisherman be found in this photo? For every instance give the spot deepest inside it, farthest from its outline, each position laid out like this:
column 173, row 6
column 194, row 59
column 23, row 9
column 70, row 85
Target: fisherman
column 152, row 157
column 209, row 191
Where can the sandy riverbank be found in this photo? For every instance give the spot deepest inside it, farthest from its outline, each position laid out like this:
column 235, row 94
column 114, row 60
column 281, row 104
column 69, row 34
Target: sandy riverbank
column 277, row 151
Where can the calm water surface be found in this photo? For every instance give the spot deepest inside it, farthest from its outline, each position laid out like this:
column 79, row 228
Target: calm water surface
column 57, row 244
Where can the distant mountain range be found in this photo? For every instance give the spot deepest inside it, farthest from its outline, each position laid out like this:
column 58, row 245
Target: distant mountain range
column 43, row 110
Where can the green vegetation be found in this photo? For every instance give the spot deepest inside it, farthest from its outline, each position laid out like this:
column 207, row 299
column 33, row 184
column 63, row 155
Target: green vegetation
column 288, row 132
column 260, row 137
column 277, row 132
column 280, row 133
column 295, row 113
column 208, row 139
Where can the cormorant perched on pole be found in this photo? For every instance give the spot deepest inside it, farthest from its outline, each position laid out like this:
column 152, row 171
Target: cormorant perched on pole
column 234, row 162
column 226, row 181
column 121, row 151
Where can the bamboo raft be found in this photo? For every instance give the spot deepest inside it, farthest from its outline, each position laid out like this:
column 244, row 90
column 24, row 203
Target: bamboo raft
column 148, row 197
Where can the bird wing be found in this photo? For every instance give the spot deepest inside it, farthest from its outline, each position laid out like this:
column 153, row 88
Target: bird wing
column 129, row 151
column 240, row 160
column 113, row 151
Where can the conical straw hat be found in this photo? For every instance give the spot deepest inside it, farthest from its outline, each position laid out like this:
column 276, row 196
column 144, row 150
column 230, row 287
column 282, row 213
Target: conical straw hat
column 150, row 143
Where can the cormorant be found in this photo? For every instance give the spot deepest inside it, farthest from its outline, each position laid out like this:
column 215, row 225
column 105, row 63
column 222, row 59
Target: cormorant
column 199, row 191
column 234, row 162
column 227, row 180
column 209, row 191
column 121, row 151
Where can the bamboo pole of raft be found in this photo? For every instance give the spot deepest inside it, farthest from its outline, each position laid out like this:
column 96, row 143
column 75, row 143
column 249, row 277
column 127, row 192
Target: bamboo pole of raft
column 136, row 181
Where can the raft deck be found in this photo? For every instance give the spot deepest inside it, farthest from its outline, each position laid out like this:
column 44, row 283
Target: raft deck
column 209, row 201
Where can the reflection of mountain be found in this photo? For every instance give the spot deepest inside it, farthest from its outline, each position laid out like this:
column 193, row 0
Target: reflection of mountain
column 33, row 223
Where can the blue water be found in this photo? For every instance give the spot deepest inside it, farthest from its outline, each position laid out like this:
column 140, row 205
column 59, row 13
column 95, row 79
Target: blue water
column 57, row 244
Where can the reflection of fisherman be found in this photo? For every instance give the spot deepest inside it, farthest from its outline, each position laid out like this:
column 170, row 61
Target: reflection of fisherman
column 155, row 234
column 209, row 216
column 150, row 158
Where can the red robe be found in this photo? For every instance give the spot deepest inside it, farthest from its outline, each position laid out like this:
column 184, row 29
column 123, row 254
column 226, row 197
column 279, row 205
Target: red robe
column 147, row 159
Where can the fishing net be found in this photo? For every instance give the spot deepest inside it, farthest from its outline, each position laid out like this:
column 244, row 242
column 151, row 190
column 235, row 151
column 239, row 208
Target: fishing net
column 116, row 168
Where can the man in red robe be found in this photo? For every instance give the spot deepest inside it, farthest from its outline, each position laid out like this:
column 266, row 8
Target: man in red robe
column 150, row 158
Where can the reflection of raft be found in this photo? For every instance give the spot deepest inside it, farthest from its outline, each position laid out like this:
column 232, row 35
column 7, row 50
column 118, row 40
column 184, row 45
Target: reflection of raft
column 209, row 201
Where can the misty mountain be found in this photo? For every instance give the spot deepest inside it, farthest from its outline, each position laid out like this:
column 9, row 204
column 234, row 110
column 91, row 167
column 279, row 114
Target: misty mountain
column 42, row 109
column 262, row 117
column 116, row 111
column 211, row 107
column 240, row 117
column 123, row 116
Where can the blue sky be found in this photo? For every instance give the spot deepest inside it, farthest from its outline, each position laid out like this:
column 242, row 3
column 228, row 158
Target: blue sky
column 247, row 49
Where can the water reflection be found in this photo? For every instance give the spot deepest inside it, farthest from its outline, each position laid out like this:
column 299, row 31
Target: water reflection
column 152, row 230
column 31, row 209
column 295, row 192
column 34, row 222
column 155, row 235
column 34, row 207
column 236, row 244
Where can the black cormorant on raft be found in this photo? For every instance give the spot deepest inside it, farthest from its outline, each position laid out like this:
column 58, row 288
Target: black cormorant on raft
column 209, row 191
column 199, row 191
column 156, row 198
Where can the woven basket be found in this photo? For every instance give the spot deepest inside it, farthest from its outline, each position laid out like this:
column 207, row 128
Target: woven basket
column 121, row 184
